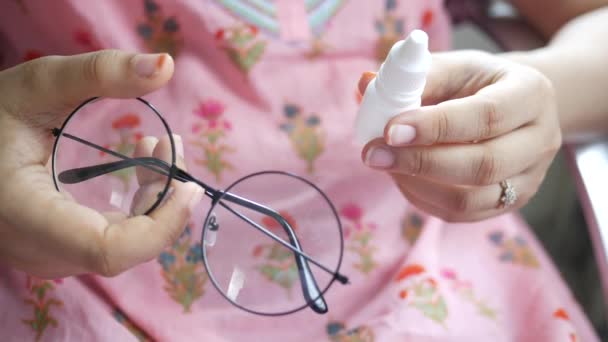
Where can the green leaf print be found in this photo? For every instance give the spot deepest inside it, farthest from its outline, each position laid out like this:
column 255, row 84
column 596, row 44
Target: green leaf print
column 253, row 55
column 428, row 300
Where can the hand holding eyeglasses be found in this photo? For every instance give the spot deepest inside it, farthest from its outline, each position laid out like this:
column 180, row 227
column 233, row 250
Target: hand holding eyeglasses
column 41, row 231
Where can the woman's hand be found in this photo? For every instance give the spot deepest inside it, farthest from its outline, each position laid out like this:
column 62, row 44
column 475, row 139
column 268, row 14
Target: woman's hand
column 41, row 231
column 484, row 120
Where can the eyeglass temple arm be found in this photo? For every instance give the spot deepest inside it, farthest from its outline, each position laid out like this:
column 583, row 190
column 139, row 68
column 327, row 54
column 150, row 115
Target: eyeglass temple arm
column 309, row 286
column 77, row 175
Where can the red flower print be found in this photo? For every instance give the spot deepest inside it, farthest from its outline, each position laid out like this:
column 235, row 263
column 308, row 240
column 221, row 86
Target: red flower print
column 561, row 314
column 102, row 153
column 128, row 120
column 346, row 233
column 85, row 39
column 432, row 282
column 572, row 337
column 196, row 128
column 254, row 30
column 271, row 223
column 403, row 294
column 31, row 54
column 210, row 110
column 257, row 251
column 427, row 18
column 138, row 136
column 352, row 212
column 409, row 270
column 449, row 274
column 219, row 35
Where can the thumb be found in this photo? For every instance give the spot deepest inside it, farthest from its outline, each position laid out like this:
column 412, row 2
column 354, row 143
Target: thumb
column 142, row 238
column 57, row 84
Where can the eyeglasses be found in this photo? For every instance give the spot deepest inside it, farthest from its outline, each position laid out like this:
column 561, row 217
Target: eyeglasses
column 98, row 160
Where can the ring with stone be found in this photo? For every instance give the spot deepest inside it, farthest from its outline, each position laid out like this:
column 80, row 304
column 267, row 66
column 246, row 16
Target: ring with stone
column 508, row 197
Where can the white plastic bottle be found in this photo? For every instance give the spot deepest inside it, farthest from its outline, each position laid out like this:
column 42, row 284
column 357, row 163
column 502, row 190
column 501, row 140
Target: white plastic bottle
column 397, row 88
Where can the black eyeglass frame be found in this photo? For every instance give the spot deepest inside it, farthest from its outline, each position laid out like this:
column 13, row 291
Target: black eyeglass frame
column 317, row 304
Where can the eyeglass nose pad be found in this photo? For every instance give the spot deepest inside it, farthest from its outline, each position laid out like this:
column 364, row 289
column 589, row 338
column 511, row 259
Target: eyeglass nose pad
column 212, row 227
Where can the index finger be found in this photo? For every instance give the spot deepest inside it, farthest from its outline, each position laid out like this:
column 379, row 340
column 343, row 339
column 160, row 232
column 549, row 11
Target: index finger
column 514, row 100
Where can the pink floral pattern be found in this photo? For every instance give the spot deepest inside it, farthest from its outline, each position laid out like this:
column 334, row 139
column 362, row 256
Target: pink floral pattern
column 411, row 226
column 562, row 315
column 42, row 302
column 305, row 132
column 242, row 44
column 210, row 132
column 337, row 332
column 514, row 249
column 390, row 27
column 466, row 292
column 129, row 325
column 183, row 270
column 359, row 236
column 421, row 292
column 277, row 262
column 86, row 40
column 160, row 33
column 127, row 128
column 32, row 54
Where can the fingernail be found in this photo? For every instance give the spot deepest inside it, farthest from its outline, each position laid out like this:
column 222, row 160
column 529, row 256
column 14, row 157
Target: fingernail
column 146, row 65
column 379, row 157
column 401, row 134
column 179, row 145
column 365, row 79
column 196, row 197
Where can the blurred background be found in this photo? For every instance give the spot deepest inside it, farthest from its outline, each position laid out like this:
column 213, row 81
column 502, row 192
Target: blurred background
column 555, row 212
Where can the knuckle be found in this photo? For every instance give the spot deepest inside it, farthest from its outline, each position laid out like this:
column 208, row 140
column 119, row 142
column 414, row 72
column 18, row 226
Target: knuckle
column 490, row 118
column 543, row 84
column 463, row 201
column 556, row 143
column 94, row 65
column 91, row 67
column 103, row 263
column 418, row 162
column 486, row 168
column 440, row 127
column 33, row 73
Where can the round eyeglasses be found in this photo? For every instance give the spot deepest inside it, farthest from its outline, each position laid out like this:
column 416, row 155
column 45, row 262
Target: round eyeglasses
column 271, row 242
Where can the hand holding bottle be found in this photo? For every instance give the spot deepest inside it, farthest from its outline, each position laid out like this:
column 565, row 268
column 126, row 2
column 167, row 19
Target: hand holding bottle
column 484, row 120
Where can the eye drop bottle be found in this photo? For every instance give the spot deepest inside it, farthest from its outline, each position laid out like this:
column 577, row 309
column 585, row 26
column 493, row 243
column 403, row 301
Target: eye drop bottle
column 397, row 88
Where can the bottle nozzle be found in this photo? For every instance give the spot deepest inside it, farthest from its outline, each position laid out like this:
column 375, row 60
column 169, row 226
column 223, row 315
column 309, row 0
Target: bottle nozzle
column 413, row 51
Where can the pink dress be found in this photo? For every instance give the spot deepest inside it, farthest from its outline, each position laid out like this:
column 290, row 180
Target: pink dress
column 247, row 68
